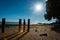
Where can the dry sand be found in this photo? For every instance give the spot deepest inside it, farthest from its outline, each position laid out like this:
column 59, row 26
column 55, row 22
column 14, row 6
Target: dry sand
column 32, row 35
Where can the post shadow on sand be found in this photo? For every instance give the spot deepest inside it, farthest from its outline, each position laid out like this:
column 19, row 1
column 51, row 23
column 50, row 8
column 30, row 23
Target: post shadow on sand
column 56, row 28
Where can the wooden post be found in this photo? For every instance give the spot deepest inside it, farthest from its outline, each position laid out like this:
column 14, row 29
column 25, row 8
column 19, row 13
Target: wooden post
column 3, row 24
column 20, row 23
column 24, row 24
column 28, row 25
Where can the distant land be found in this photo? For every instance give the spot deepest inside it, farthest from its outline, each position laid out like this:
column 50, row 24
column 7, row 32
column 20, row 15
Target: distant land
column 10, row 23
column 16, row 23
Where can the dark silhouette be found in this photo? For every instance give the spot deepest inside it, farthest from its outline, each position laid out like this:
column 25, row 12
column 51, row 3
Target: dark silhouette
column 53, row 11
column 28, row 25
column 3, row 24
column 45, row 34
column 36, row 29
column 20, row 23
column 24, row 24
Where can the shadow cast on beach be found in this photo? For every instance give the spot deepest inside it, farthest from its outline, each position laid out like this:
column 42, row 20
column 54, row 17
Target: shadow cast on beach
column 56, row 28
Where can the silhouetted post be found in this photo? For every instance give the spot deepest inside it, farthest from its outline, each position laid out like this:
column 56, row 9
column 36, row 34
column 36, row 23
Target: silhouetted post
column 24, row 24
column 3, row 24
column 20, row 23
column 28, row 25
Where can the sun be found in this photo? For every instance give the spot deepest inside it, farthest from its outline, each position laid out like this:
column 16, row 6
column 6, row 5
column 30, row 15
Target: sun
column 38, row 7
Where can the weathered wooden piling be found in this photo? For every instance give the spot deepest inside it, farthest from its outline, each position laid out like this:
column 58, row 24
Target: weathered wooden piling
column 20, row 23
column 24, row 24
column 28, row 25
column 3, row 24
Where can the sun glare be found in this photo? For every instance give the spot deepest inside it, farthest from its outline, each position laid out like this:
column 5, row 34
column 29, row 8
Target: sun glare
column 46, row 0
column 38, row 7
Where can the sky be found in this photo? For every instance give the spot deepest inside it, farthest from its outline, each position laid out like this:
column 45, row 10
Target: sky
column 13, row 10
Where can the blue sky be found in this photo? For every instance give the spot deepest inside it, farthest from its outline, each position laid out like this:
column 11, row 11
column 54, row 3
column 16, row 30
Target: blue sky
column 13, row 10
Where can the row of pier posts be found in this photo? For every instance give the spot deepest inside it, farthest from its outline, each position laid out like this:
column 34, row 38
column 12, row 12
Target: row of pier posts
column 20, row 24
